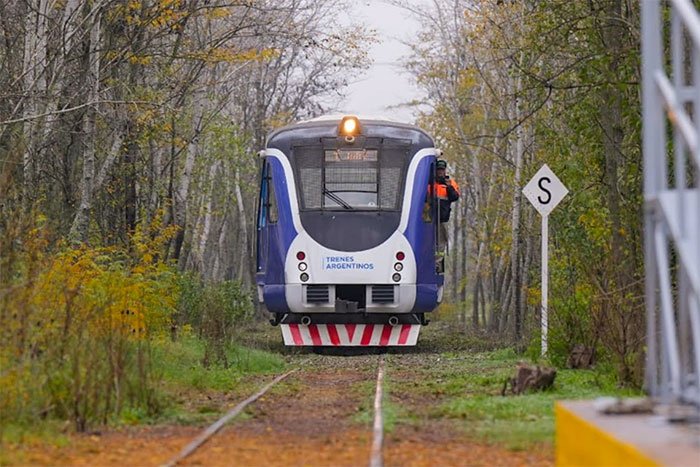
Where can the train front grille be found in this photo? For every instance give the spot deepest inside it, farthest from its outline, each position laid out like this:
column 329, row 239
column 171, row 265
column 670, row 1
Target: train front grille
column 317, row 294
column 382, row 294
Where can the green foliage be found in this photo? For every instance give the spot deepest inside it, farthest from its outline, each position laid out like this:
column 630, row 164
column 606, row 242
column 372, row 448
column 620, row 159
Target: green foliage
column 213, row 311
column 193, row 392
column 574, row 69
column 180, row 365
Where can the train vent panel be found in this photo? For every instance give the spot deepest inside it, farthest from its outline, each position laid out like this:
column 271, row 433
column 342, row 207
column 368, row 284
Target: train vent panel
column 317, row 294
column 383, row 294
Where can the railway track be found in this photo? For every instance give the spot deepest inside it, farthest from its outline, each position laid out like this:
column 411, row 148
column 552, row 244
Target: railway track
column 328, row 411
column 375, row 451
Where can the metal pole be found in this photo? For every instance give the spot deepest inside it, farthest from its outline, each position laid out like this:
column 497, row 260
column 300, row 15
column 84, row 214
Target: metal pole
column 653, row 149
column 545, row 278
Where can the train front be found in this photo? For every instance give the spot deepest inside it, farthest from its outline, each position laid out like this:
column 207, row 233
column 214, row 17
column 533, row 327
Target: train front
column 347, row 232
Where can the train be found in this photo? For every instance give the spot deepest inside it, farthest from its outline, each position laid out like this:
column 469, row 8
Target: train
column 347, row 232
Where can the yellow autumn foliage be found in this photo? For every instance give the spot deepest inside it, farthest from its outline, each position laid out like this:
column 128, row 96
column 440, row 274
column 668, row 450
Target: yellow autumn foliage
column 76, row 325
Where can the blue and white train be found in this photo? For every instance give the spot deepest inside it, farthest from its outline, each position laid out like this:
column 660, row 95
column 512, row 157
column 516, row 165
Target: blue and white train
column 347, row 232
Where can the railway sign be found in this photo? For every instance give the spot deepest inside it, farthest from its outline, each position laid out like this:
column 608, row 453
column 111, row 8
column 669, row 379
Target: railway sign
column 545, row 191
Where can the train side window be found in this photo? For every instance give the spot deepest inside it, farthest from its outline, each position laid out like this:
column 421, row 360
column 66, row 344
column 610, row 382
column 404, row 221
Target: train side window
column 430, row 195
column 272, row 212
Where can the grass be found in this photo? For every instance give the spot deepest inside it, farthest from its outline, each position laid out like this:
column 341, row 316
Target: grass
column 473, row 388
column 365, row 412
column 180, row 364
column 186, row 391
column 51, row 432
column 392, row 413
column 15, row 435
column 195, row 394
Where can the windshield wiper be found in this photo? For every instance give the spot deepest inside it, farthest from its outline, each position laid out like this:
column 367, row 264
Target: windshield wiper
column 337, row 199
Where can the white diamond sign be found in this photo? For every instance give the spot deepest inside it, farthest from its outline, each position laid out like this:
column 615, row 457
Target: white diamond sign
column 545, row 191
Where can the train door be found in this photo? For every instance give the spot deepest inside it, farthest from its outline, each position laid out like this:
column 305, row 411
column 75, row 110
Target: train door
column 267, row 216
column 263, row 206
column 438, row 228
column 431, row 215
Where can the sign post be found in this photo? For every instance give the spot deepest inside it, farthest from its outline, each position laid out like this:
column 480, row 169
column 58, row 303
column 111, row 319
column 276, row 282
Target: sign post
column 545, row 191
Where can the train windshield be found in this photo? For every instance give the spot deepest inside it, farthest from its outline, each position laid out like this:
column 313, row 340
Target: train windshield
column 342, row 178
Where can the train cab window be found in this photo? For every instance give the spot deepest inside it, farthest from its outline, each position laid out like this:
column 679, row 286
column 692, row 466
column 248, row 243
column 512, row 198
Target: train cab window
column 351, row 178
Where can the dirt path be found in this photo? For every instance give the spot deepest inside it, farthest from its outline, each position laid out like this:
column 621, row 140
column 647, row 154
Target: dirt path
column 321, row 415
column 310, row 421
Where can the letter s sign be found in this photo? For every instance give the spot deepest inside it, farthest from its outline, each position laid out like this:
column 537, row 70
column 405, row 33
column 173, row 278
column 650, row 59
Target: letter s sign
column 545, row 190
column 549, row 194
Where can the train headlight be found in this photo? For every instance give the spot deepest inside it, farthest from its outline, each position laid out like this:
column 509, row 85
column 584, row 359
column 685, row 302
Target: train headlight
column 302, row 266
column 301, row 255
column 396, row 277
column 398, row 267
column 304, row 277
column 400, row 255
column 349, row 126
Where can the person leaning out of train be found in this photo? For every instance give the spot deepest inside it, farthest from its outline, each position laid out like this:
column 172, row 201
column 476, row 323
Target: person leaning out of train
column 447, row 192
column 446, row 189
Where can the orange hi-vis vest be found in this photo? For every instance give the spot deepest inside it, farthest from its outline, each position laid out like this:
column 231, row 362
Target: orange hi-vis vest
column 441, row 189
column 446, row 193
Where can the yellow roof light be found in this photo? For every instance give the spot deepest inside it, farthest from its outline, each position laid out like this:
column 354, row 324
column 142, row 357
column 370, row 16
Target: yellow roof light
column 349, row 126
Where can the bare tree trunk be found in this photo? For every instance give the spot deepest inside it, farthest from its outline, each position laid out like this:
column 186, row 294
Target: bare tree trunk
column 466, row 254
column 34, row 72
column 243, row 272
column 182, row 191
column 478, row 286
column 81, row 222
column 613, row 31
column 222, row 251
column 201, row 248
column 515, row 218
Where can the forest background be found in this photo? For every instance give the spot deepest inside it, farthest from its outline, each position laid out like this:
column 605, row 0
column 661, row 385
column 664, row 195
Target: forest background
column 128, row 176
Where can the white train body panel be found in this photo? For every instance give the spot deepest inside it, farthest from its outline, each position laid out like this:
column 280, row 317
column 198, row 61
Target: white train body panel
column 370, row 267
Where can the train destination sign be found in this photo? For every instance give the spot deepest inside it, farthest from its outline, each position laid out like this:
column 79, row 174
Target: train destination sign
column 545, row 191
column 341, row 155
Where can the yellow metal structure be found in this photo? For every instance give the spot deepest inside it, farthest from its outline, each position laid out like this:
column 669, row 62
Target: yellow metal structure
column 582, row 443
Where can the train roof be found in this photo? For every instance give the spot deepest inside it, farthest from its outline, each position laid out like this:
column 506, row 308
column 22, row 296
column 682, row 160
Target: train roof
column 326, row 126
column 339, row 117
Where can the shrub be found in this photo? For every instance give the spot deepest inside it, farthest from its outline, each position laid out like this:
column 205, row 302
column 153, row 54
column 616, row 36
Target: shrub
column 75, row 330
column 213, row 310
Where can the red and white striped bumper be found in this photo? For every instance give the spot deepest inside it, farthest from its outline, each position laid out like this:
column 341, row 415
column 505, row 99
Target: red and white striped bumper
column 350, row 334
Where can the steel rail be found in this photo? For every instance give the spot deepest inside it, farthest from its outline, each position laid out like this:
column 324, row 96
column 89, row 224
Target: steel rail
column 376, row 459
column 216, row 426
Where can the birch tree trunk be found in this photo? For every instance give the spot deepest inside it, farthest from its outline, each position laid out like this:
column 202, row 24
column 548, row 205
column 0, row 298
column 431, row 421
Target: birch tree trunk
column 516, row 207
column 244, row 270
column 201, row 246
column 182, row 191
column 34, row 72
column 81, row 223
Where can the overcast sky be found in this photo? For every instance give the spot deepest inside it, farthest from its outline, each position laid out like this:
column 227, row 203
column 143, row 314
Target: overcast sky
column 386, row 86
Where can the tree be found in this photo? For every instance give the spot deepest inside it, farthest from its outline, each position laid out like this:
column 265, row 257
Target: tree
column 519, row 84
